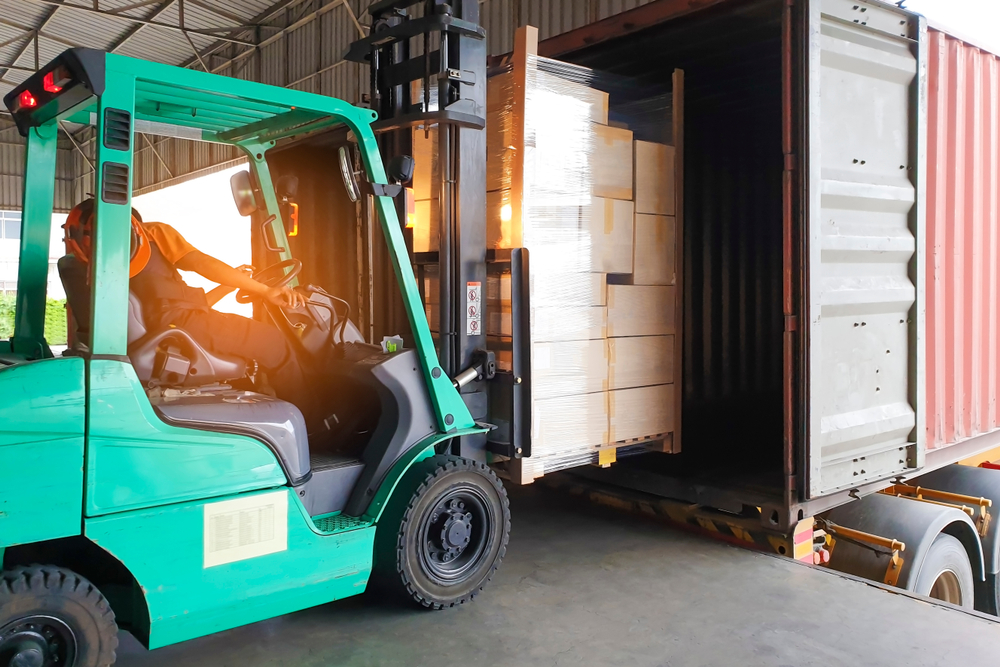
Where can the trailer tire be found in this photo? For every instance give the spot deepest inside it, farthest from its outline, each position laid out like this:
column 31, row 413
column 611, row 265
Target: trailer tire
column 946, row 573
column 50, row 615
column 444, row 532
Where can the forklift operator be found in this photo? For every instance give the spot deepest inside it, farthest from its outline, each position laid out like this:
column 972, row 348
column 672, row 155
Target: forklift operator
column 158, row 251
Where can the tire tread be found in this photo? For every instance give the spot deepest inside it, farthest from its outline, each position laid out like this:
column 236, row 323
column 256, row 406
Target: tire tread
column 25, row 580
column 440, row 466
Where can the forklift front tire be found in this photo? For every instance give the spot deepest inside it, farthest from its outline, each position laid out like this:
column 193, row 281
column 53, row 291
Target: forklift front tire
column 51, row 616
column 451, row 532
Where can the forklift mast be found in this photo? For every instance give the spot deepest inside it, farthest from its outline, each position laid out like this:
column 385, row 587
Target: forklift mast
column 451, row 62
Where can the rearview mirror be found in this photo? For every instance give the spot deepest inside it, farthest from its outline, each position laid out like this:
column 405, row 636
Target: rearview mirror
column 401, row 169
column 347, row 172
column 242, row 189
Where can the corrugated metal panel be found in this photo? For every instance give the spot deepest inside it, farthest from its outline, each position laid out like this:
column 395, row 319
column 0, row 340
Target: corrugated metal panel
column 862, row 216
column 501, row 18
column 963, row 241
column 306, row 57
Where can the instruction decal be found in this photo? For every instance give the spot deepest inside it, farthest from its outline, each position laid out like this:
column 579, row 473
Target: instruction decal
column 246, row 528
column 474, row 309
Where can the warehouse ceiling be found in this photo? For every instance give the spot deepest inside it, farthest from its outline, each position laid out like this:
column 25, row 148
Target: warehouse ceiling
column 192, row 33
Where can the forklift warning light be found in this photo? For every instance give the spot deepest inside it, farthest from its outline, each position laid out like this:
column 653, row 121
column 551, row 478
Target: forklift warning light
column 49, row 83
column 56, row 80
column 26, row 100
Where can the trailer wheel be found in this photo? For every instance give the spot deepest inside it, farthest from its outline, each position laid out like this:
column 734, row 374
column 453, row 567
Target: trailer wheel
column 946, row 573
column 53, row 617
column 452, row 532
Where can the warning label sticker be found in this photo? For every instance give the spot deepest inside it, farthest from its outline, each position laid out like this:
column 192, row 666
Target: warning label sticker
column 474, row 309
column 245, row 528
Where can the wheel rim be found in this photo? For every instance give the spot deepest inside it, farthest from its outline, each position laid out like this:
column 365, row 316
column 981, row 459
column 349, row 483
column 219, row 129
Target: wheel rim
column 947, row 588
column 37, row 641
column 455, row 534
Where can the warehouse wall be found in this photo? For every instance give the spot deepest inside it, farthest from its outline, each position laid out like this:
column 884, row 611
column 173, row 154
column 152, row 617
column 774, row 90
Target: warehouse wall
column 301, row 49
column 12, row 151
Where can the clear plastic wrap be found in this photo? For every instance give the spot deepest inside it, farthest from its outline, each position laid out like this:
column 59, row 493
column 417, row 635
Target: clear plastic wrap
column 560, row 183
column 543, row 148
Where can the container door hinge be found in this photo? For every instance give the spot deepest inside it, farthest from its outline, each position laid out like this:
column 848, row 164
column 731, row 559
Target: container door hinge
column 791, row 322
column 790, row 161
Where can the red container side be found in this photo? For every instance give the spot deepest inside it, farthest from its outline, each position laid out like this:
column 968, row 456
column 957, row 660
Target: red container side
column 963, row 241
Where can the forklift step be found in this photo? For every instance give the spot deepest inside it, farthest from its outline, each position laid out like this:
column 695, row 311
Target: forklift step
column 339, row 523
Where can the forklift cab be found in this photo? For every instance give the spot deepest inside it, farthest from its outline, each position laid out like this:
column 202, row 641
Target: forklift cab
column 193, row 502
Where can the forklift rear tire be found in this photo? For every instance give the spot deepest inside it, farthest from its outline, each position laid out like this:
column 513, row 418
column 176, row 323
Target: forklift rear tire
column 51, row 616
column 946, row 573
column 452, row 532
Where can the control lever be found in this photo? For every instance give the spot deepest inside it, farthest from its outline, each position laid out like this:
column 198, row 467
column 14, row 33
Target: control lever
column 484, row 367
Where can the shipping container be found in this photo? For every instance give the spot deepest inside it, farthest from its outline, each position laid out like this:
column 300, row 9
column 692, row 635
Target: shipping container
column 840, row 301
column 839, row 227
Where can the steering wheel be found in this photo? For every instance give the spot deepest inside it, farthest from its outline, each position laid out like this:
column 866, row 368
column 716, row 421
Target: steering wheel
column 273, row 276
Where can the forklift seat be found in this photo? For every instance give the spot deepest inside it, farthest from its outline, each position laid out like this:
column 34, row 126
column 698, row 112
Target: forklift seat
column 168, row 357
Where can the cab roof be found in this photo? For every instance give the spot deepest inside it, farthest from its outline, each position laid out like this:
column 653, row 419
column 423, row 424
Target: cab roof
column 172, row 101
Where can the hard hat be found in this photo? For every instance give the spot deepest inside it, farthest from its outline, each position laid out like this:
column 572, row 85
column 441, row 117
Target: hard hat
column 79, row 237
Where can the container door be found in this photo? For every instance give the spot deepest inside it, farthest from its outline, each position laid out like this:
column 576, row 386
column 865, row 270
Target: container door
column 865, row 93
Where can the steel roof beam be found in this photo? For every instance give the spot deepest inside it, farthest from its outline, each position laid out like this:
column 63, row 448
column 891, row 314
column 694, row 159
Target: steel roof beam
column 128, row 8
column 212, row 33
column 239, row 20
column 36, row 32
column 134, row 30
column 265, row 15
column 23, row 35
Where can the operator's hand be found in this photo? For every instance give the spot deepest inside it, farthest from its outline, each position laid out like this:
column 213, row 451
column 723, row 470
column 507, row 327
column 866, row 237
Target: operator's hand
column 284, row 297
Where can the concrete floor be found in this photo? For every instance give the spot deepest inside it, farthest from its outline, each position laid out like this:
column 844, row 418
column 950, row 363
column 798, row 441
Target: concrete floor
column 584, row 585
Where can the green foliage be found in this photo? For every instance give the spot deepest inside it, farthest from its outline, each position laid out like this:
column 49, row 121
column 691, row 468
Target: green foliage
column 6, row 316
column 55, row 319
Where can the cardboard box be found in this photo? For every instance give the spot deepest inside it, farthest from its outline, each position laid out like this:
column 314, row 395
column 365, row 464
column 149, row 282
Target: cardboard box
column 640, row 413
column 499, row 149
column 500, row 230
column 499, row 88
column 550, row 323
column 426, row 183
column 569, row 368
column 611, row 235
column 425, row 226
column 568, row 289
column 654, row 253
column 433, row 313
column 611, row 162
column 567, row 423
column 640, row 361
column 654, row 178
column 576, row 289
column 640, row 310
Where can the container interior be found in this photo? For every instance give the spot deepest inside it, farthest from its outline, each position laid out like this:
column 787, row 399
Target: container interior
column 732, row 279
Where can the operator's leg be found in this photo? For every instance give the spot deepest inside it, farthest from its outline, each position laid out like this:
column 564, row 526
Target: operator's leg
column 226, row 333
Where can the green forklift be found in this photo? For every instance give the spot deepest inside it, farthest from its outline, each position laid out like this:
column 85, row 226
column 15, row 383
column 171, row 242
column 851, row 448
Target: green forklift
column 144, row 483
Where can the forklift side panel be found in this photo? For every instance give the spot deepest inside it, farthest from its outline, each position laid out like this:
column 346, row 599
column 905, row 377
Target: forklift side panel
column 202, row 598
column 135, row 460
column 41, row 479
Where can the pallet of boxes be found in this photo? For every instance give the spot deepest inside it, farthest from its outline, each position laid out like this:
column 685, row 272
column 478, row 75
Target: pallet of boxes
column 596, row 211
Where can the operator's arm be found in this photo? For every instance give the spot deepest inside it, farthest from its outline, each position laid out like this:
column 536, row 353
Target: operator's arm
column 220, row 272
column 216, row 294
